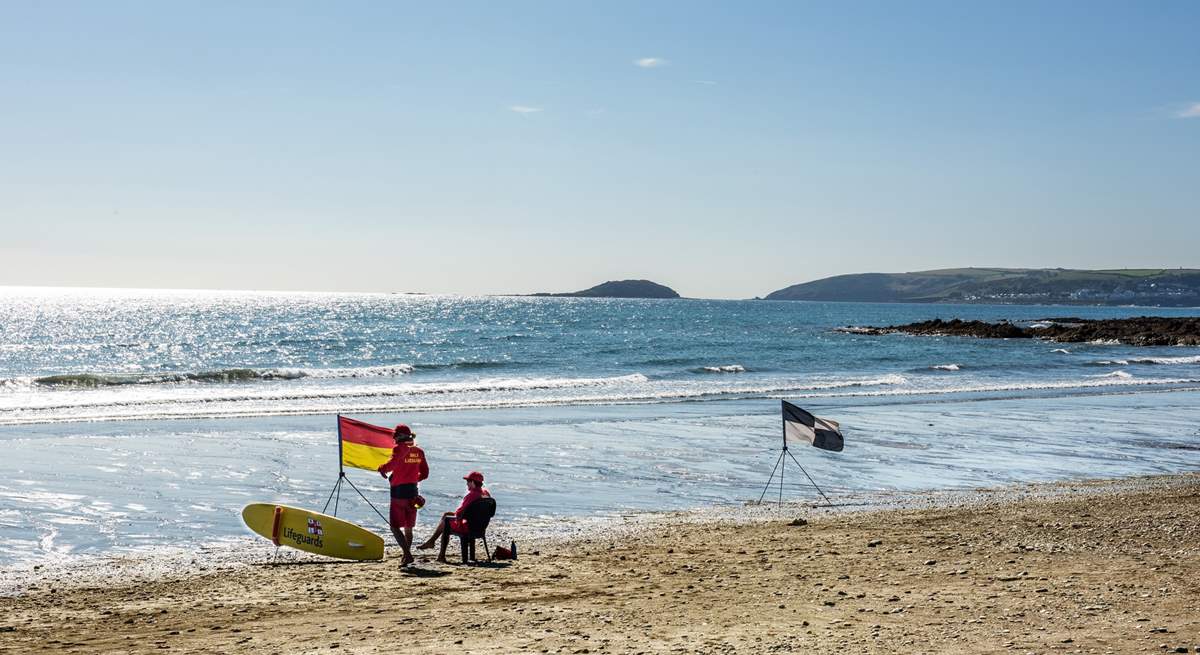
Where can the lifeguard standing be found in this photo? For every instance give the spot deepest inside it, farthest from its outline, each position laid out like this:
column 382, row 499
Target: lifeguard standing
column 407, row 467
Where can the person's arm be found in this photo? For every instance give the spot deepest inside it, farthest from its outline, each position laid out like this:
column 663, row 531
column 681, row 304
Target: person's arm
column 387, row 467
column 471, row 497
column 424, row 468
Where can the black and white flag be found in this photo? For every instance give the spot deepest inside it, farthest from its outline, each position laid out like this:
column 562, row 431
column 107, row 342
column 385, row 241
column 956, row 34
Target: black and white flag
column 802, row 427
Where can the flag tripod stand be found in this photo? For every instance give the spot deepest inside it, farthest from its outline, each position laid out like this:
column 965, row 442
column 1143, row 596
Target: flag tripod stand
column 336, row 494
column 781, row 465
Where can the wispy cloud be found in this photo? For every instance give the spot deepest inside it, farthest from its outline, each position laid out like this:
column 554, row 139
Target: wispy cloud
column 524, row 110
column 1190, row 111
column 650, row 62
column 706, row 82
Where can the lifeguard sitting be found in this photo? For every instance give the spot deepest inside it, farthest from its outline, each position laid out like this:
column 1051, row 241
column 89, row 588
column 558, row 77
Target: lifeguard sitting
column 454, row 522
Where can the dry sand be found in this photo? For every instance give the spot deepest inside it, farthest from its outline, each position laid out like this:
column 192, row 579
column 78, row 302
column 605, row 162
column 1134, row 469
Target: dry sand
column 1108, row 567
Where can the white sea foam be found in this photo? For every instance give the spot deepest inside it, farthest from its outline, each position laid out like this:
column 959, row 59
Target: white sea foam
column 729, row 368
column 393, row 370
column 1105, row 342
column 1063, row 351
column 1166, row 361
column 945, row 367
column 1121, row 375
column 217, row 402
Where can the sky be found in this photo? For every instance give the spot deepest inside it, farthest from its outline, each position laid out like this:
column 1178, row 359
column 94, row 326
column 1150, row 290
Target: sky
column 724, row 149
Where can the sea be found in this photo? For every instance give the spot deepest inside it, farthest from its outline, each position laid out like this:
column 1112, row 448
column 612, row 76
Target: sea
column 134, row 422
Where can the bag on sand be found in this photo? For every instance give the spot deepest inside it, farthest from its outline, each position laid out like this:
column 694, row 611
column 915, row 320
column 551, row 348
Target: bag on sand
column 505, row 553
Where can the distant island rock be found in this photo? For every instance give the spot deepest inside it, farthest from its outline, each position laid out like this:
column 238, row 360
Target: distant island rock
column 1021, row 286
column 1140, row 331
column 620, row 289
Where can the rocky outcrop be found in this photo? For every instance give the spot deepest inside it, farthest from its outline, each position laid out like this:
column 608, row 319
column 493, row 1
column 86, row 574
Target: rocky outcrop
column 1140, row 331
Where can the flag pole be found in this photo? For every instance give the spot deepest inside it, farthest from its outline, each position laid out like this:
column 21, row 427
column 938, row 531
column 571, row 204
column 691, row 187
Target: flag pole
column 337, row 486
column 341, row 469
column 770, row 479
column 783, row 433
column 787, row 453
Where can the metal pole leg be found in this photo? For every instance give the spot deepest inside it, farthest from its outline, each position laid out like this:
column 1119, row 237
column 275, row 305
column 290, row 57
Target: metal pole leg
column 768, row 485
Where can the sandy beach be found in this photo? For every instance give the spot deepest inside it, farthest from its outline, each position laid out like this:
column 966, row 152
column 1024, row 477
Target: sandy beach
column 1099, row 567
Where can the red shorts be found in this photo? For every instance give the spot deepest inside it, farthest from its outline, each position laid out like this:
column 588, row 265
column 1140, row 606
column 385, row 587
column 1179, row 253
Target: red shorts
column 457, row 526
column 402, row 513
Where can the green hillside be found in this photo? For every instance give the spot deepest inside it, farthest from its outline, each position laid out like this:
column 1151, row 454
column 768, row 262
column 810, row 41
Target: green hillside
column 621, row 289
column 1178, row 287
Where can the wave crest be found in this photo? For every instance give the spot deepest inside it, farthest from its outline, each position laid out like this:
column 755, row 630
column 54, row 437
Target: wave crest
column 729, row 368
column 1164, row 361
column 227, row 375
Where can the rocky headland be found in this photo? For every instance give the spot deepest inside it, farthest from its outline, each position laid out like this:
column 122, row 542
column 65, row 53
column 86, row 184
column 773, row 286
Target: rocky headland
column 1164, row 287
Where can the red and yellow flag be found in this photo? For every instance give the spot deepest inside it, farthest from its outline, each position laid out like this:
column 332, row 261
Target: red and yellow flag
column 364, row 446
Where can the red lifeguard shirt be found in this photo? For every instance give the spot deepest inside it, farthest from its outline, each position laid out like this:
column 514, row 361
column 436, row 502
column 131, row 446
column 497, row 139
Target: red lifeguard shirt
column 472, row 496
column 407, row 465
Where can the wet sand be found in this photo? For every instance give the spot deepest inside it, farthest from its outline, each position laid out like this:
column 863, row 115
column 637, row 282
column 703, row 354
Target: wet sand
column 1102, row 567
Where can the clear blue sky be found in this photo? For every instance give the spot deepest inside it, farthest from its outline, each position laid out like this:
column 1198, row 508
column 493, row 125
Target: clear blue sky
column 725, row 149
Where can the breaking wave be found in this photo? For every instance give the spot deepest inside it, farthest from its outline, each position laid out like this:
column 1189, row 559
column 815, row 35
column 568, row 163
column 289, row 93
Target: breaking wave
column 945, row 367
column 166, row 402
column 503, row 393
column 1165, row 361
column 228, row 375
column 235, row 375
column 730, row 368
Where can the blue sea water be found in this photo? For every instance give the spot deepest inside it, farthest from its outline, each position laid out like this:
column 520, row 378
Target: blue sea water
column 131, row 420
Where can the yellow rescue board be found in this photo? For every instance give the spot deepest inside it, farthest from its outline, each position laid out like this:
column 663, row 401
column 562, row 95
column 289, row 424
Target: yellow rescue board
column 312, row 532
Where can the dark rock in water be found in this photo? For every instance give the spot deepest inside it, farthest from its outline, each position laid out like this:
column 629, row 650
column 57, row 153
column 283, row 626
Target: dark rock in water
column 1139, row 331
column 952, row 328
column 620, row 289
column 798, row 522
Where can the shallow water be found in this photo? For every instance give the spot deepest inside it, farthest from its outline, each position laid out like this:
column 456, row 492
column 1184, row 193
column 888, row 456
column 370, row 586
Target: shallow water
column 575, row 409
column 127, row 487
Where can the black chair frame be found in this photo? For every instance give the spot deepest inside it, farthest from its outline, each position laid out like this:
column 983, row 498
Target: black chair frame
column 478, row 516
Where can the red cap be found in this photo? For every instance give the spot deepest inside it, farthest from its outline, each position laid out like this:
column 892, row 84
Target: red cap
column 474, row 476
column 403, row 430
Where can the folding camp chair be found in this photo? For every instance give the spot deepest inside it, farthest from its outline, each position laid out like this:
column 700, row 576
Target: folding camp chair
column 478, row 515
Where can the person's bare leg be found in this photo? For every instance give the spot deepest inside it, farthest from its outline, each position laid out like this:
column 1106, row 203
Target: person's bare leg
column 408, row 539
column 445, row 540
column 436, row 533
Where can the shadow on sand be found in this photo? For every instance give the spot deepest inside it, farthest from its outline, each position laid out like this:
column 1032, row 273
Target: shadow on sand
column 331, row 562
